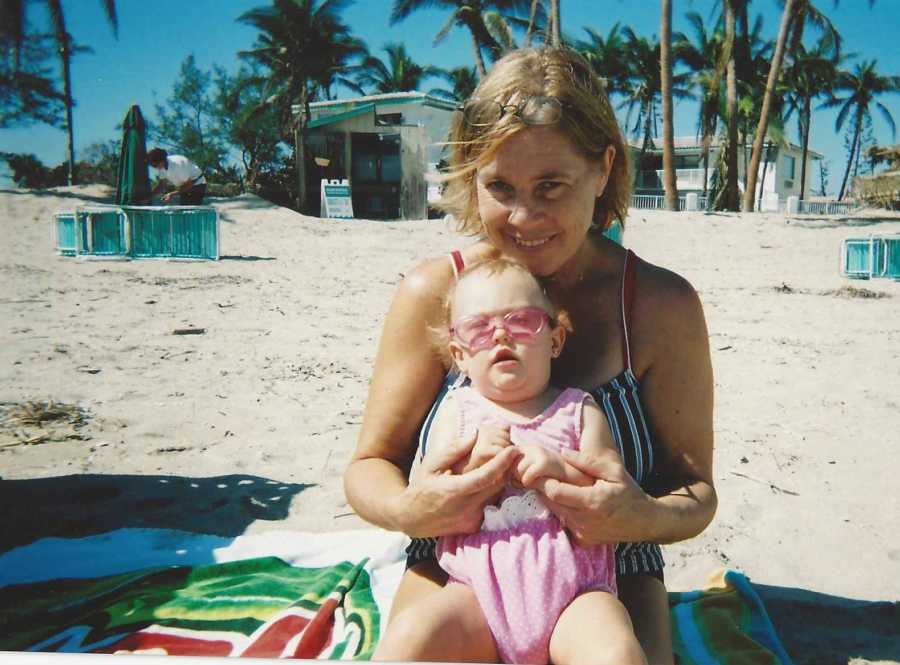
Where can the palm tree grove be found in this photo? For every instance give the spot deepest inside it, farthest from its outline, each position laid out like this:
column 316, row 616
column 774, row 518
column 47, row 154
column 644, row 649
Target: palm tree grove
column 753, row 88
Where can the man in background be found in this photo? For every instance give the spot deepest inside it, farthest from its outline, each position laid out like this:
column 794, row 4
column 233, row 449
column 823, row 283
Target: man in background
column 180, row 172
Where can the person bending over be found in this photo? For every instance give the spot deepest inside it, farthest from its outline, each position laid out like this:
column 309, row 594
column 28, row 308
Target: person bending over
column 181, row 173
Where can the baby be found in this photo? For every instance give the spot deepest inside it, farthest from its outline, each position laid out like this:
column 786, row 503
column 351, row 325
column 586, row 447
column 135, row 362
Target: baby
column 521, row 573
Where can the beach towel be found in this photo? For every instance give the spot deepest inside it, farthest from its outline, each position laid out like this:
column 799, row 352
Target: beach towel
column 278, row 595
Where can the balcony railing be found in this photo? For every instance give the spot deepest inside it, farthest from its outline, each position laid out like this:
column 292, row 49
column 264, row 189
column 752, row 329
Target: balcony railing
column 684, row 179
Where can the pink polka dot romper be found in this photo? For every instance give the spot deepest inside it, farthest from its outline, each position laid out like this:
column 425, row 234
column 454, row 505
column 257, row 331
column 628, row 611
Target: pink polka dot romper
column 522, row 565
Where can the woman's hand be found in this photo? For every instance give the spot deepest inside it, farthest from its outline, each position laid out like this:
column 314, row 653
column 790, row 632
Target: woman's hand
column 440, row 502
column 613, row 509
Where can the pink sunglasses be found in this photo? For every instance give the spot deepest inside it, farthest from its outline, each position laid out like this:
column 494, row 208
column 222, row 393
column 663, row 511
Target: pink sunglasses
column 477, row 332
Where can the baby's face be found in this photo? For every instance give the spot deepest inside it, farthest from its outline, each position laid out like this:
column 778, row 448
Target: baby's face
column 507, row 364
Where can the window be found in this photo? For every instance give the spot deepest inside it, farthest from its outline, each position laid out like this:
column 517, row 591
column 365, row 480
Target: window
column 790, row 166
column 387, row 119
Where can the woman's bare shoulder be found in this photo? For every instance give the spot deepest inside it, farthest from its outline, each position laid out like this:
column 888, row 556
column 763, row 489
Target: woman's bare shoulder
column 666, row 314
column 664, row 292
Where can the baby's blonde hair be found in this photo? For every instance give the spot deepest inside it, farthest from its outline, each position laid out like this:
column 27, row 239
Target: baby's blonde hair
column 440, row 333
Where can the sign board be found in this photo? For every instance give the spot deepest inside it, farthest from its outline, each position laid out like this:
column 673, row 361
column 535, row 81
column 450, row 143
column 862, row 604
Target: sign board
column 336, row 202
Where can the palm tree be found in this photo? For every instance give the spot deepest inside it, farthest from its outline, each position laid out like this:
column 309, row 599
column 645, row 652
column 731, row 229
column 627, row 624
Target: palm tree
column 462, row 81
column 607, row 56
column 756, row 155
column 701, row 59
column 862, row 86
column 729, row 196
column 665, row 63
column 14, row 16
column 469, row 14
column 645, row 89
column 398, row 74
column 555, row 24
column 303, row 44
column 810, row 74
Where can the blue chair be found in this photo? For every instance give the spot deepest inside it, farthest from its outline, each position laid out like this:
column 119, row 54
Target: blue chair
column 173, row 232
column 867, row 258
column 100, row 231
column 66, row 241
column 614, row 232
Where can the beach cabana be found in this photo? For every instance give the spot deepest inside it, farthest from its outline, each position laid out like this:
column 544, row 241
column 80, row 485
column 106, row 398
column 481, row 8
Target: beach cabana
column 384, row 145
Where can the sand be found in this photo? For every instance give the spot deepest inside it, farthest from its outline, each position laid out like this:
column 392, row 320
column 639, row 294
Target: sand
column 248, row 426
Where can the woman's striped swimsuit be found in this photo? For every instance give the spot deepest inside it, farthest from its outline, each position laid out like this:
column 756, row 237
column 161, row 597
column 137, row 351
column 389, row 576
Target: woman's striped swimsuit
column 620, row 400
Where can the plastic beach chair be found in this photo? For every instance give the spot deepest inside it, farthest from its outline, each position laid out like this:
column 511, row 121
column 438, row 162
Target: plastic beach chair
column 173, row 231
column 64, row 227
column 875, row 256
column 100, row 231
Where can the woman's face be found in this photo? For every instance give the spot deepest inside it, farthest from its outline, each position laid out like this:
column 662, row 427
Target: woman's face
column 536, row 197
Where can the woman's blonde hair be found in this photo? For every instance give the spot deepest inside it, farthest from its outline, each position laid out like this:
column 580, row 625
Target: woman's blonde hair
column 587, row 120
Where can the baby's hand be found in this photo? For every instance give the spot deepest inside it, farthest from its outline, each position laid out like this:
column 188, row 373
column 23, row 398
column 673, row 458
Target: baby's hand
column 538, row 463
column 489, row 441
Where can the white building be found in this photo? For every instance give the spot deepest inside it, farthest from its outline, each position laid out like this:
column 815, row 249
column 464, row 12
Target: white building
column 779, row 175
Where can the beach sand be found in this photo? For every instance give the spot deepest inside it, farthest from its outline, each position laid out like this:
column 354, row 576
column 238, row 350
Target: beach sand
column 248, row 426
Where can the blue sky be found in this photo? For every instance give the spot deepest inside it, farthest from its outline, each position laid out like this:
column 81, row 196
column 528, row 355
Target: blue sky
column 155, row 37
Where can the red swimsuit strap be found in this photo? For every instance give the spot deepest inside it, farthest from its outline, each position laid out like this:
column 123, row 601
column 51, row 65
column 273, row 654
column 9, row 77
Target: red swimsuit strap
column 627, row 301
column 458, row 263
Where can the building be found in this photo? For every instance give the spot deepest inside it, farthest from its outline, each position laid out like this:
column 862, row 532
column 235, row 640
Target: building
column 385, row 145
column 779, row 174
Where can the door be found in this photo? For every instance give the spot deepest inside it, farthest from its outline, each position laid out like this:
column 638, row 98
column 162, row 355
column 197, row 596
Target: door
column 376, row 175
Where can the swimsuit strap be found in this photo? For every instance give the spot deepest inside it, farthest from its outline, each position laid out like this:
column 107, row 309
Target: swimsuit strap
column 627, row 300
column 456, row 260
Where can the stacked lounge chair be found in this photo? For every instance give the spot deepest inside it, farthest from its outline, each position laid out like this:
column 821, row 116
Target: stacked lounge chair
column 190, row 232
column 871, row 257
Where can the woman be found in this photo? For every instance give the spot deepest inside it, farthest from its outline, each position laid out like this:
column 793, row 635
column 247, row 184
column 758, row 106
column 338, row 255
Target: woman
column 538, row 170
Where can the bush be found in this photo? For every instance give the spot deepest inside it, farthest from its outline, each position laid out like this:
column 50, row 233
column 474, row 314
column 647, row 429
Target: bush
column 27, row 170
column 30, row 173
column 224, row 189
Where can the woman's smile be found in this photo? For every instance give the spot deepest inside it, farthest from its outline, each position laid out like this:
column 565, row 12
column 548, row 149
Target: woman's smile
column 527, row 244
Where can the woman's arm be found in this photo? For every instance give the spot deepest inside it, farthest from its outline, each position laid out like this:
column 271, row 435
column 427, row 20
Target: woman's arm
column 405, row 380
column 677, row 397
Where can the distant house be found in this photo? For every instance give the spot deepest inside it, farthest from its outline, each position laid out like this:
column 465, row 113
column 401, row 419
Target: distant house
column 782, row 169
column 383, row 144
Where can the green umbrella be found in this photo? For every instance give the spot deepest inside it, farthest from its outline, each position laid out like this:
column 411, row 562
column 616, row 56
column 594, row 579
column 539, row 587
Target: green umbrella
column 132, row 179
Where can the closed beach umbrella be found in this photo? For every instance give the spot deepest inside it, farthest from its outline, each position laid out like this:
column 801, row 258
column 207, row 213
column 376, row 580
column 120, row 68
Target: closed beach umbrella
column 132, row 179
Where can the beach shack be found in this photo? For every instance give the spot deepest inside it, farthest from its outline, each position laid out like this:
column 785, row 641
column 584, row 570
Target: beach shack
column 384, row 145
column 779, row 173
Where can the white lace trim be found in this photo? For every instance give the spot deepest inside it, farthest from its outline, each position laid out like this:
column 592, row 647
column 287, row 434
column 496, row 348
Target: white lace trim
column 514, row 510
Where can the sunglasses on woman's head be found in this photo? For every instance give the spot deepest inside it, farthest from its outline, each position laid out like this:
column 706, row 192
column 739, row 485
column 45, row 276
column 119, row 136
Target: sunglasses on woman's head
column 536, row 110
column 477, row 332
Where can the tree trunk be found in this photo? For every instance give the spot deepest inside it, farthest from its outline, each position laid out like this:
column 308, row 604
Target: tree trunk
column 857, row 132
column 665, row 63
column 774, row 69
column 556, row 26
column 762, row 180
column 65, row 56
column 479, row 59
column 300, row 151
column 731, row 195
column 531, row 14
column 805, row 123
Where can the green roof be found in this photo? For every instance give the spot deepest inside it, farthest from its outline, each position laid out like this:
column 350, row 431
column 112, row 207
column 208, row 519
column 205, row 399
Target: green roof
column 338, row 117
